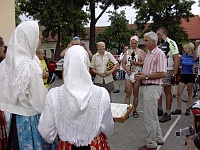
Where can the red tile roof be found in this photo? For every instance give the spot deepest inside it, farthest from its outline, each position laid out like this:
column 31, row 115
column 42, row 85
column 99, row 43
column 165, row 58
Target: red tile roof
column 101, row 28
column 192, row 27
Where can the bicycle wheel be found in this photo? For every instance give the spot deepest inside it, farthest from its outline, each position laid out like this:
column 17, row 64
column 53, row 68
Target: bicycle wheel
column 196, row 88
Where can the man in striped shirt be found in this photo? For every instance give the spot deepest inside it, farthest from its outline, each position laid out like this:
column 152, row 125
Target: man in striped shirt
column 154, row 69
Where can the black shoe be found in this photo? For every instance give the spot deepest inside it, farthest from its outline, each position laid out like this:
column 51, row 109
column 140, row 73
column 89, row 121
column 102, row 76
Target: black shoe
column 187, row 113
column 176, row 112
column 174, row 96
column 160, row 112
column 160, row 143
column 165, row 118
column 116, row 91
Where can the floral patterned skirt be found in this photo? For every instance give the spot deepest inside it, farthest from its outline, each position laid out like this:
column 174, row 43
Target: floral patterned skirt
column 24, row 134
column 99, row 143
column 3, row 131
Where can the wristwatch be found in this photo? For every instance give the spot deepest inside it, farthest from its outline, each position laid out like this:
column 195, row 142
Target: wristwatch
column 147, row 77
column 173, row 75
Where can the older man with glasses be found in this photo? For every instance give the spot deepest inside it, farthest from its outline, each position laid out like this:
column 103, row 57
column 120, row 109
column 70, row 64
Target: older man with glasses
column 154, row 69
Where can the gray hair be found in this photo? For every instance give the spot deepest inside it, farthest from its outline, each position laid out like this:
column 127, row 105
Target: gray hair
column 38, row 50
column 152, row 35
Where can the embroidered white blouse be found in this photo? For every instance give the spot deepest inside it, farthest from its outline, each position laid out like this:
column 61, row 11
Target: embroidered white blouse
column 78, row 128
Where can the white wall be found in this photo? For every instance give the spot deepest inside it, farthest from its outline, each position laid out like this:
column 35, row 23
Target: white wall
column 47, row 46
column 7, row 19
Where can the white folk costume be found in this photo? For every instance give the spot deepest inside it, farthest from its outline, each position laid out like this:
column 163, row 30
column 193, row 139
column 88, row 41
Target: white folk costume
column 22, row 91
column 78, row 111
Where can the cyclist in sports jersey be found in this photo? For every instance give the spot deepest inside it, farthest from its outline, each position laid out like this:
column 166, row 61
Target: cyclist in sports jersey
column 170, row 48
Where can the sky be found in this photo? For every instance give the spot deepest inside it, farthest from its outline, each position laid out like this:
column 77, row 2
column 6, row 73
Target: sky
column 130, row 14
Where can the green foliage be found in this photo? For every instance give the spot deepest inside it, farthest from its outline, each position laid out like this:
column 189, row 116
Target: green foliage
column 117, row 34
column 166, row 13
column 64, row 16
column 103, row 4
column 17, row 13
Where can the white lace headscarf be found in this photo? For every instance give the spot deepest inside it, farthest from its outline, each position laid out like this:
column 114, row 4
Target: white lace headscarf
column 79, row 104
column 20, row 61
column 77, row 79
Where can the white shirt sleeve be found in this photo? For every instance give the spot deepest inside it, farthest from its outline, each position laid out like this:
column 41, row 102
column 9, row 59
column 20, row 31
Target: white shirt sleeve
column 47, row 126
column 121, row 56
column 107, row 123
column 37, row 92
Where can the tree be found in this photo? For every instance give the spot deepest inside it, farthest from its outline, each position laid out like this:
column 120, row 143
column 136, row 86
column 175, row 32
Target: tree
column 17, row 13
column 103, row 4
column 166, row 13
column 60, row 17
column 117, row 34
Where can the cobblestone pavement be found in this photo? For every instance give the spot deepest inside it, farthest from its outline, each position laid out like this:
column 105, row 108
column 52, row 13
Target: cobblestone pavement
column 131, row 134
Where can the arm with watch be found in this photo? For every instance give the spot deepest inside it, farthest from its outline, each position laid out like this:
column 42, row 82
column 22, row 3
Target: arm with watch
column 141, row 76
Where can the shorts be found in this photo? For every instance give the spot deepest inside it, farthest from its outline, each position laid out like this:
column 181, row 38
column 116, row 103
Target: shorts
column 187, row 78
column 127, row 77
column 109, row 87
column 121, row 75
column 167, row 79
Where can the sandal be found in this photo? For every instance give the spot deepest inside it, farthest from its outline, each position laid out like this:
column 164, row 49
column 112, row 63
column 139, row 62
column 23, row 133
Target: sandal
column 135, row 114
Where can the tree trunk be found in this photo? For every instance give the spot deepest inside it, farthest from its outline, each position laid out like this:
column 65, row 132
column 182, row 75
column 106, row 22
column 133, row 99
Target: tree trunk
column 57, row 52
column 92, row 27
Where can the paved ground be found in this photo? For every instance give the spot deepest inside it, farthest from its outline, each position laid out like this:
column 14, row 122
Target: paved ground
column 131, row 134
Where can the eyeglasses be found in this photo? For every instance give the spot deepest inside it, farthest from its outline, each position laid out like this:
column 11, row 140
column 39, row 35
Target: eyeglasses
column 159, row 34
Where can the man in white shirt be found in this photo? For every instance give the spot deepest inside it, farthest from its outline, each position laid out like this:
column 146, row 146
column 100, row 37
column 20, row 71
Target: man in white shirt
column 104, row 77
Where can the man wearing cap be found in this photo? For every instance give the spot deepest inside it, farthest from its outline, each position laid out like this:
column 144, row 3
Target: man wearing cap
column 77, row 41
column 132, row 63
column 104, row 77
column 170, row 48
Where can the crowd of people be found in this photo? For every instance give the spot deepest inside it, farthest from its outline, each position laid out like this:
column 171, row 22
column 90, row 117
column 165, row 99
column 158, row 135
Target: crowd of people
column 77, row 114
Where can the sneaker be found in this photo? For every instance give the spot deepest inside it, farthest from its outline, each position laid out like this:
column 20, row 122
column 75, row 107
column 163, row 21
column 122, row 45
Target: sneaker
column 165, row 118
column 176, row 112
column 116, row 91
column 160, row 112
column 187, row 113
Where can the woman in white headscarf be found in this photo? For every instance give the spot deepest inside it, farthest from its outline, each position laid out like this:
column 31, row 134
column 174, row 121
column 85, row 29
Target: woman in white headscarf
column 80, row 111
column 22, row 91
